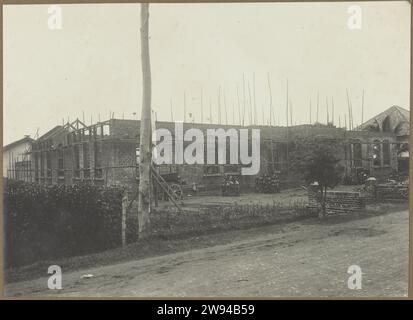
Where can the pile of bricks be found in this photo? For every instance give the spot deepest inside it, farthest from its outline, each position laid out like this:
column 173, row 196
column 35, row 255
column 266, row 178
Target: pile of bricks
column 337, row 202
column 392, row 192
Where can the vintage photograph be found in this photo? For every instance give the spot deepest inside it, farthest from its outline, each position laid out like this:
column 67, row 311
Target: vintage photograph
column 252, row 150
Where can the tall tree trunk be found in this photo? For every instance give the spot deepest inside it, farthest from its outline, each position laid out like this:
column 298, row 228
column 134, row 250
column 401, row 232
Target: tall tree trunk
column 145, row 155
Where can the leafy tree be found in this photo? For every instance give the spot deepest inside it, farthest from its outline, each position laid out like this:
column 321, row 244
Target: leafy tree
column 318, row 161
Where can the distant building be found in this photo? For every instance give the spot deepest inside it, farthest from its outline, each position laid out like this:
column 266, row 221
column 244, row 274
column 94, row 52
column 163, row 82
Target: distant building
column 16, row 157
column 394, row 120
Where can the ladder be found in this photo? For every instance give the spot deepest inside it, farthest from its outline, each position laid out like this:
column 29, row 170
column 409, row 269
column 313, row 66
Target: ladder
column 166, row 188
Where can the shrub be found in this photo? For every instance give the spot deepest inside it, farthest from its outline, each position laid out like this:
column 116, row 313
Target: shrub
column 46, row 222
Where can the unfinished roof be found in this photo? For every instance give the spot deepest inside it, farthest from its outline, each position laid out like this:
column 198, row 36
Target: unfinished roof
column 395, row 119
column 50, row 133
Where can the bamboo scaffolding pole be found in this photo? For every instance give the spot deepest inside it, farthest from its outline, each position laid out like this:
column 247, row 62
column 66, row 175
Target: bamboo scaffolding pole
column 202, row 108
column 287, row 147
column 172, row 112
column 250, row 104
column 184, row 107
column 349, row 110
column 270, row 91
column 239, row 108
column 310, row 110
column 255, row 106
column 244, row 100
column 210, row 110
column 219, row 105
column 362, row 108
column 233, row 112
column 332, row 109
column 225, row 108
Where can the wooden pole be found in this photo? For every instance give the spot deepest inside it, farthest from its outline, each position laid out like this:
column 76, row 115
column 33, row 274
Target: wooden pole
column 219, row 105
column 291, row 112
column 210, row 110
column 202, row 109
column 287, row 153
column 233, row 112
column 349, row 110
column 317, row 106
column 239, row 107
column 250, row 103
column 269, row 89
column 332, row 109
column 184, row 107
column 243, row 94
column 255, row 106
column 145, row 132
column 225, row 108
column 172, row 113
column 362, row 108
column 310, row 111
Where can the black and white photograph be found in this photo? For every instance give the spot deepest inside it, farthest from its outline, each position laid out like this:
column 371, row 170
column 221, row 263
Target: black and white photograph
column 206, row 150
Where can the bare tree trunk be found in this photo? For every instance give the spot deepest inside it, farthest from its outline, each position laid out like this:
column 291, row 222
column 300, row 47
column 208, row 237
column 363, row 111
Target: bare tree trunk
column 145, row 155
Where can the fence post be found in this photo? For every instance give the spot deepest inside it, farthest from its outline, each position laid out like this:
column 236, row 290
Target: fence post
column 124, row 209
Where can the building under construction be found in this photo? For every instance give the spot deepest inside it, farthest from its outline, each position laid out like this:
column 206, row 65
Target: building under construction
column 106, row 153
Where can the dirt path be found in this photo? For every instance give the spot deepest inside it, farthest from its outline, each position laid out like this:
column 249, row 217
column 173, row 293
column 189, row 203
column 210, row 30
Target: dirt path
column 302, row 258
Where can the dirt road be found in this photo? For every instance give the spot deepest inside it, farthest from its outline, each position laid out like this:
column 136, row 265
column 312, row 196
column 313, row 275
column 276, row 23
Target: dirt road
column 298, row 259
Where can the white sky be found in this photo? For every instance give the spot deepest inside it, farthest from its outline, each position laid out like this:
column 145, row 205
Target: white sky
column 93, row 63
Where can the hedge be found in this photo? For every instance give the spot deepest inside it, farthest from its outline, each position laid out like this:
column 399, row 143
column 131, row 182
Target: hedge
column 47, row 222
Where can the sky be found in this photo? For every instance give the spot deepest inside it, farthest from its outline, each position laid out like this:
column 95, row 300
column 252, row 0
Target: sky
column 91, row 67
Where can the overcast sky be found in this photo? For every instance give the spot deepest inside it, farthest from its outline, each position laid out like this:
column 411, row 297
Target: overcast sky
column 92, row 64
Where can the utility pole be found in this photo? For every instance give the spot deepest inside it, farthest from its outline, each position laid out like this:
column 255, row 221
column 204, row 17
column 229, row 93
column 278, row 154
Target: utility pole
column 145, row 156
